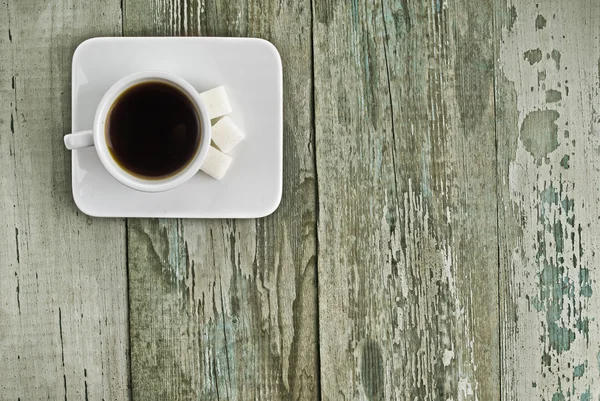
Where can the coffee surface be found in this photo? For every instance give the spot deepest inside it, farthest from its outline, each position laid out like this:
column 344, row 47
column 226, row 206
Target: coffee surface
column 153, row 130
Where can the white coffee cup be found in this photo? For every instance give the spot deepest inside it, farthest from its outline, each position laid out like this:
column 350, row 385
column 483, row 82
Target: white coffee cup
column 97, row 136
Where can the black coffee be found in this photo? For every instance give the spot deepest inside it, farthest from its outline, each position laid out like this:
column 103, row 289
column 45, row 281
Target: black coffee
column 153, row 130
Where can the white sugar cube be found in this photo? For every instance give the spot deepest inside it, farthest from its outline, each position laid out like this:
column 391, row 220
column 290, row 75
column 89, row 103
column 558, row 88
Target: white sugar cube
column 216, row 163
column 216, row 102
column 226, row 135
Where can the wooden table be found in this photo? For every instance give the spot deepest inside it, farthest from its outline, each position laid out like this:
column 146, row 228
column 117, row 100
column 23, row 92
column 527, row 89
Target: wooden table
column 438, row 238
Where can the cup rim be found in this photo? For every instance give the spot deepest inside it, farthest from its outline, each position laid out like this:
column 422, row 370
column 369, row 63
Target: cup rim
column 118, row 172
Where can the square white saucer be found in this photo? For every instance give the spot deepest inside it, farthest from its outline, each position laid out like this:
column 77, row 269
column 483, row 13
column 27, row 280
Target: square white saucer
column 250, row 69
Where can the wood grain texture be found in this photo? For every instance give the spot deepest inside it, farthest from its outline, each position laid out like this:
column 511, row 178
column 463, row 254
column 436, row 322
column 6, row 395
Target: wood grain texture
column 227, row 309
column 453, row 228
column 63, row 293
column 407, row 260
column 549, row 189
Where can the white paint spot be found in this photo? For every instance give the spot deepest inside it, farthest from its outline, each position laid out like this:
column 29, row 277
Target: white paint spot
column 448, row 271
column 448, row 356
column 464, row 389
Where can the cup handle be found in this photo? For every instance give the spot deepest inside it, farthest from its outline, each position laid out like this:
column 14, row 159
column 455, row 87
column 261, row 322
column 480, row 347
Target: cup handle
column 82, row 139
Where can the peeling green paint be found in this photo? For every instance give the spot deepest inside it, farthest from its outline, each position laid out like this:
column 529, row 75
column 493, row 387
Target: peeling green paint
column 533, row 56
column 558, row 397
column 560, row 337
column 579, row 370
column 540, row 22
column 555, row 286
column 586, row 291
column 559, row 236
column 584, row 283
column 583, row 326
column 553, row 96
column 564, row 163
column 568, row 205
column 548, row 196
column 586, row 396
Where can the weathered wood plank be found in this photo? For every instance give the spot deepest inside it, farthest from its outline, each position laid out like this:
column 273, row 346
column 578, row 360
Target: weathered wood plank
column 63, row 311
column 549, row 188
column 227, row 309
column 407, row 261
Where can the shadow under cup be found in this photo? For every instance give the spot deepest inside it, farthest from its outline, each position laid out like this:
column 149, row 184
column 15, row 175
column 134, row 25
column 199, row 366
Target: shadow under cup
column 153, row 130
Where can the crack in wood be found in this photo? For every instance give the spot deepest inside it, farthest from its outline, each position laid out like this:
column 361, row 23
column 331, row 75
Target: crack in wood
column 17, row 245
